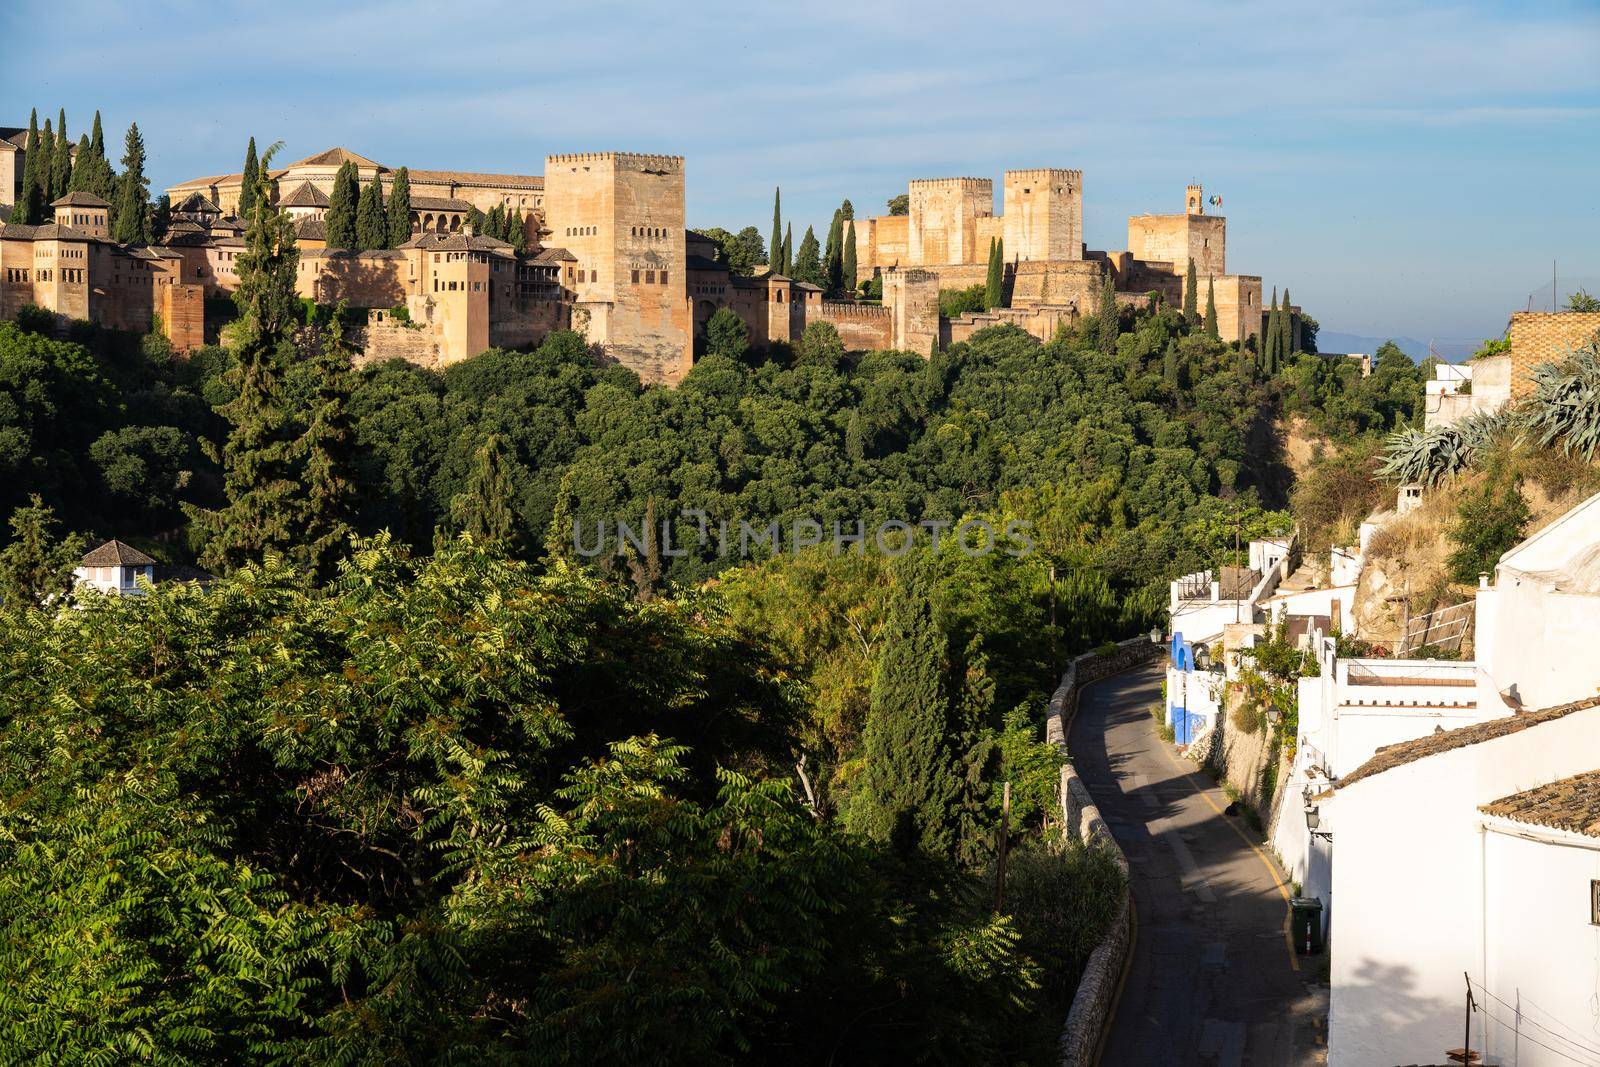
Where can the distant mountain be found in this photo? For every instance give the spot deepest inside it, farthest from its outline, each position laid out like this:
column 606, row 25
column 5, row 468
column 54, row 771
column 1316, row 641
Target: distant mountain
column 1453, row 351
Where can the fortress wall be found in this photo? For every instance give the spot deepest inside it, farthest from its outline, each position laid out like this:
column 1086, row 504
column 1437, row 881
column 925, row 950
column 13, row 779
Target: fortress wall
column 1074, row 283
column 1238, row 299
column 355, row 278
column 944, row 214
column 862, row 327
column 421, row 345
column 1176, row 239
column 523, row 322
column 1041, row 322
column 1044, row 214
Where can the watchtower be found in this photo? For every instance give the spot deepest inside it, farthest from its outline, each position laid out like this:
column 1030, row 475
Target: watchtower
column 1194, row 201
column 1044, row 215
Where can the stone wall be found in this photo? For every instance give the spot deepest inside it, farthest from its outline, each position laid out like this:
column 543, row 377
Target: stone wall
column 1044, row 214
column 1074, row 283
column 944, row 214
column 1176, row 239
column 1097, row 987
column 183, row 315
column 414, row 344
column 862, row 327
column 1545, row 337
column 1041, row 322
column 913, row 298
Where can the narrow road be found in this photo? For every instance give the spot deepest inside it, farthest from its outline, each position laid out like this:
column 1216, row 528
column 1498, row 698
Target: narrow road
column 1212, row 979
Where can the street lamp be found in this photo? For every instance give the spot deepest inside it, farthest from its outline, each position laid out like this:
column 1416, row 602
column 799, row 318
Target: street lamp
column 1314, row 820
column 1155, row 635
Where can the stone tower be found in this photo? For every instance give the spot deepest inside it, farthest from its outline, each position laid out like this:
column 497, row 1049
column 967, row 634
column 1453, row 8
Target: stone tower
column 622, row 215
column 944, row 219
column 1194, row 201
column 1044, row 215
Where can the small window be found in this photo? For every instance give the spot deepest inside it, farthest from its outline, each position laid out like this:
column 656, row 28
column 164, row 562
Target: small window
column 635, row 277
column 650, row 277
column 663, row 277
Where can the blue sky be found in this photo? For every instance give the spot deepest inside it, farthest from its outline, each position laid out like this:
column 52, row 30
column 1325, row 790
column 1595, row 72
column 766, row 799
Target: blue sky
column 1403, row 168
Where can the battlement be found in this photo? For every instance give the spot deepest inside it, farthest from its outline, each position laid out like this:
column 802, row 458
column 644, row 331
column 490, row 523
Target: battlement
column 636, row 159
column 845, row 310
column 914, row 275
column 974, row 184
column 1050, row 173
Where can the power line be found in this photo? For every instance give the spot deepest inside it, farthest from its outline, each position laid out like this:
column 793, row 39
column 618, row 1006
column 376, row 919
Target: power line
column 1524, row 1017
column 1521, row 1035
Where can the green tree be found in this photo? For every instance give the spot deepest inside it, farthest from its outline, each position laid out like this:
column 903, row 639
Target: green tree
column 261, row 472
column 808, row 264
column 325, row 452
column 912, row 784
column 833, row 261
column 994, row 292
column 61, row 160
column 1582, row 300
column 35, row 566
column 900, row 205
column 1491, row 521
column 29, row 207
column 1211, row 310
column 102, row 181
column 1285, row 328
column 788, row 252
column 484, row 510
column 1110, row 318
column 775, row 252
column 1191, row 296
column 727, row 335
column 80, row 168
column 340, row 218
column 820, row 346
column 133, row 200
column 45, row 175
column 400, row 209
column 160, row 217
column 372, row 221
column 248, row 182
column 1270, row 356
column 849, row 259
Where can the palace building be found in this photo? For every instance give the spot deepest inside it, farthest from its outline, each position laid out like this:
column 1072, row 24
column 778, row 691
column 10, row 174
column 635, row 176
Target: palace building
column 610, row 256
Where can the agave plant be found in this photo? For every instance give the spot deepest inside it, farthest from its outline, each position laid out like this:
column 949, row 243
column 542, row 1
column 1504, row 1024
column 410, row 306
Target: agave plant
column 1428, row 457
column 1565, row 405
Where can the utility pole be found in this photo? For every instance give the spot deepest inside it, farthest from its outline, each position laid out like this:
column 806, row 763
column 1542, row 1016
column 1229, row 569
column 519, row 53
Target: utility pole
column 1000, row 865
column 1553, row 289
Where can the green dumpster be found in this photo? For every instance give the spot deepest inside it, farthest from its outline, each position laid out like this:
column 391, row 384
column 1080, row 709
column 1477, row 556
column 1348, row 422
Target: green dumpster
column 1306, row 925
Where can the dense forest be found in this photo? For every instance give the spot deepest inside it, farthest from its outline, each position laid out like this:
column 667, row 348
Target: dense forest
column 427, row 779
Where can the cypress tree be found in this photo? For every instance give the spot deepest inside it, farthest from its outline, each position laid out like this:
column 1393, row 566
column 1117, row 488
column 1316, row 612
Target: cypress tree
column 1285, row 329
column 808, row 263
column 834, row 259
column 372, row 223
column 24, row 209
column 340, row 218
column 849, row 264
column 259, row 457
column 855, row 444
column 326, row 452
column 788, row 252
column 519, row 232
column 248, row 182
column 45, row 173
column 102, row 181
column 775, row 253
column 847, row 210
column 61, row 161
column 1269, row 336
column 494, row 223
column 400, row 208
column 1190, row 297
column 993, row 283
column 484, row 509
column 161, row 217
column 133, row 198
column 911, row 781
column 1110, row 318
column 81, row 167
column 1211, row 309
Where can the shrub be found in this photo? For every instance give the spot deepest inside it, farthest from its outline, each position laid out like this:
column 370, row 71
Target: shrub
column 1491, row 521
column 1565, row 405
column 954, row 302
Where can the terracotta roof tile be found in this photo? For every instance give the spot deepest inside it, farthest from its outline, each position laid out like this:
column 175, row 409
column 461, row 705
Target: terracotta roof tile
column 467, row 177
column 1431, row 745
column 1566, row 804
column 116, row 554
column 337, row 156
column 305, row 195
column 80, row 199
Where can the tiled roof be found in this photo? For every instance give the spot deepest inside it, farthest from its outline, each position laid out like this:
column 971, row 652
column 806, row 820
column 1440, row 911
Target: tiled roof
column 13, row 137
column 116, row 554
column 196, row 202
column 311, row 229
column 1432, row 744
column 466, row 177
column 336, row 157
column 178, row 226
column 438, row 203
column 1566, row 804
column 457, row 242
column 208, row 180
column 80, row 199
column 350, row 253
column 50, row 231
column 305, row 195
column 227, row 226
column 554, row 255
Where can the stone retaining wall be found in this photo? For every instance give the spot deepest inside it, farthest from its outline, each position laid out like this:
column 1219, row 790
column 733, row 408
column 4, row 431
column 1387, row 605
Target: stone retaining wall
column 1097, row 988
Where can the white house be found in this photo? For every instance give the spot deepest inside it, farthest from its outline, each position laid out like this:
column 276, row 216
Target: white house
column 114, row 568
column 1468, row 855
column 1461, row 389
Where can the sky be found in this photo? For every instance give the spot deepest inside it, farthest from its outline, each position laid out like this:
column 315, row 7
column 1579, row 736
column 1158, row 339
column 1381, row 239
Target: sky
column 1404, row 169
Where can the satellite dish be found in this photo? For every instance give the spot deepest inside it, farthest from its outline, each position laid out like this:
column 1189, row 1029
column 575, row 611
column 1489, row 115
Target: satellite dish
column 1216, row 201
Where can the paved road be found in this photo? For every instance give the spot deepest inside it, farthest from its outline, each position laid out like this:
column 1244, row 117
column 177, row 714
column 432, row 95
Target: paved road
column 1212, row 980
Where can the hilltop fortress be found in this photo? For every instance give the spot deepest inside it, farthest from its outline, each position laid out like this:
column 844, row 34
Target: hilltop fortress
column 609, row 255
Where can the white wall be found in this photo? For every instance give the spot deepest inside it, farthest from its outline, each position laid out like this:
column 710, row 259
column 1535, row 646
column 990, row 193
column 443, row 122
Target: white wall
column 1537, row 644
column 1316, row 602
column 1542, row 953
column 1407, row 888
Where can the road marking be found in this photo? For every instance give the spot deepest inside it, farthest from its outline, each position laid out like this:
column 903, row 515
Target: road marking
column 1266, row 861
column 1193, row 880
